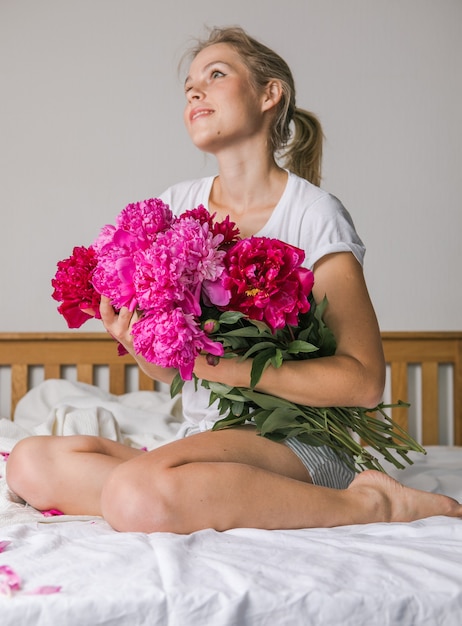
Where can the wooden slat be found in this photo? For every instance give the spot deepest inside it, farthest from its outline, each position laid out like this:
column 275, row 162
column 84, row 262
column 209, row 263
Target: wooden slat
column 430, row 431
column 458, row 395
column 117, row 378
column 85, row 373
column 145, row 383
column 399, row 391
column 52, row 370
column 19, row 383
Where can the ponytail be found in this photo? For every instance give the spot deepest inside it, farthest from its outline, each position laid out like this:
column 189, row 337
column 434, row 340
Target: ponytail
column 303, row 154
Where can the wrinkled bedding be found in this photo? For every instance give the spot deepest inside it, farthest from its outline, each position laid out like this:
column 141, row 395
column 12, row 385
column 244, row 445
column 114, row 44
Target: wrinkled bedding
column 361, row 575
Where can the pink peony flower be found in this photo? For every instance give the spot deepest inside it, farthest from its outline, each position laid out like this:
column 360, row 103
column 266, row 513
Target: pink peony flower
column 172, row 338
column 9, row 580
column 51, row 512
column 73, row 286
column 137, row 227
column 4, row 545
column 183, row 258
column 43, row 590
column 267, row 282
column 145, row 219
column 226, row 227
column 113, row 275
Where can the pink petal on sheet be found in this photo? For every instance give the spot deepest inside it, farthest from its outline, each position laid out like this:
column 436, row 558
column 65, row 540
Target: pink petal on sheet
column 4, row 545
column 51, row 512
column 5, row 455
column 9, row 580
column 44, row 590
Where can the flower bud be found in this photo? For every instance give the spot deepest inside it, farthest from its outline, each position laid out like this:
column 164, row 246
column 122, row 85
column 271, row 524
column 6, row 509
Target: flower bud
column 212, row 359
column 210, row 326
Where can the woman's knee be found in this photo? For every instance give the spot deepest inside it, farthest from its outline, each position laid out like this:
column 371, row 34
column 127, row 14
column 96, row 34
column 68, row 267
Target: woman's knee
column 139, row 501
column 24, row 465
column 34, row 465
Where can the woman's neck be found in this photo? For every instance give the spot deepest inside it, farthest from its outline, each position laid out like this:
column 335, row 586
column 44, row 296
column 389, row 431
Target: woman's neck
column 248, row 192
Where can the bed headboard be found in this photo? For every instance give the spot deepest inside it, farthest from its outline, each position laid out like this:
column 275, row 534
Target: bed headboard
column 84, row 355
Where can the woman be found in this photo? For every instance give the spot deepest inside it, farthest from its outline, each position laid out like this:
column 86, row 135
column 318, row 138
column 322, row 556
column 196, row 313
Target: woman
column 240, row 100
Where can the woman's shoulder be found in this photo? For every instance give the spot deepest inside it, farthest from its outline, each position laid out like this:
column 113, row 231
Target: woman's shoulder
column 318, row 222
column 315, row 204
column 309, row 195
column 187, row 194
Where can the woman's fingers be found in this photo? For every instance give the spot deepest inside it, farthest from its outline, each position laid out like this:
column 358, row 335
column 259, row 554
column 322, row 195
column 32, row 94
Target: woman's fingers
column 108, row 315
column 118, row 324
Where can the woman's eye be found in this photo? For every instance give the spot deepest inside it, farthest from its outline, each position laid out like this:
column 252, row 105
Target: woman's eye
column 216, row 74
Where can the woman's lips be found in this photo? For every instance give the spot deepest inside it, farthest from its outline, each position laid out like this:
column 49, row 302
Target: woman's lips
column 200, row 112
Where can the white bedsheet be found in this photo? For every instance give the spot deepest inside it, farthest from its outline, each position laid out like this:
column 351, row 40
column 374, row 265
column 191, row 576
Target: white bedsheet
column 363, row 575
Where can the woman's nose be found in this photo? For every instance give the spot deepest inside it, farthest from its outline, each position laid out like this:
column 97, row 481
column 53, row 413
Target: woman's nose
column 195, row 93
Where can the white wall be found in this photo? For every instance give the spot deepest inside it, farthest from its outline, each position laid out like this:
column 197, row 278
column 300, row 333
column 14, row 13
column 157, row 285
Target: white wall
column 90, row 120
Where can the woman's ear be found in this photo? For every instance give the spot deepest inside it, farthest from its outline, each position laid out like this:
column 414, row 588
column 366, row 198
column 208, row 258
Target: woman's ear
column 272, row 94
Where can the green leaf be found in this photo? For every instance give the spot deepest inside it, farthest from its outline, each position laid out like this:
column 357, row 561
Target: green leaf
column 246, row 331
column 264, row 400
column 278, row 418
column 229, row 421
column 259, row 364
column 176, row 385
column 237, row 408
column 235, row 343
column 297, row 346
column 277, row 359
column 262, row 327
column 219, row 388
column 306, row 332
column 258, row 347
column 230, row 317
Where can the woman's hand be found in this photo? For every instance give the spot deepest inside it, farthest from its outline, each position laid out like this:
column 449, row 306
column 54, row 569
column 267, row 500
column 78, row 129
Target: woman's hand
column 232, row 372
column 118, row 325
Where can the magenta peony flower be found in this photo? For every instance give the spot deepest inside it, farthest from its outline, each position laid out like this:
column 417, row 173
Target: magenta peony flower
column 73, row 286
column 183, row 258
column 145, row 219
column 113, row 276
column 172, row 338
column 137, row 227
column 267, row 282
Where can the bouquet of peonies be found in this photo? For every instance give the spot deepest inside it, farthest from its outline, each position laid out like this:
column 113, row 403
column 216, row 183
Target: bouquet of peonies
column 200, row 288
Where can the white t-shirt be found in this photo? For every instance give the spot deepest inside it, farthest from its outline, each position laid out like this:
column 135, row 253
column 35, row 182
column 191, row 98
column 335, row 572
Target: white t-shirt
column 305, row 216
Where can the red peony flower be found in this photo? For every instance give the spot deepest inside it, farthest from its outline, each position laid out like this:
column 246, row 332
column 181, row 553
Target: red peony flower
column 226, row 227
column 267, row 282
column 73, row 286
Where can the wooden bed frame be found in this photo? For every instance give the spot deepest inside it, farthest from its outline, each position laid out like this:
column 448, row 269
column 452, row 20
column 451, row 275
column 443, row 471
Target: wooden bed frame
column 20, row 352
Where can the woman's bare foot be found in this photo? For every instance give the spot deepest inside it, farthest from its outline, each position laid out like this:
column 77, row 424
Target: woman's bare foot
column 393, row 502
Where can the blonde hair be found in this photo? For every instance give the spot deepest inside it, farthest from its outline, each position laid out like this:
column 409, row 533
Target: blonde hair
column 296, row 134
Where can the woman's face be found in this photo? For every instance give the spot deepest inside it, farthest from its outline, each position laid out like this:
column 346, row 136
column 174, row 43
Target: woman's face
column 223, row 108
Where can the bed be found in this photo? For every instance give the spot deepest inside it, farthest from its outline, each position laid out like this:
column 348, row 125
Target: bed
column 78, row 571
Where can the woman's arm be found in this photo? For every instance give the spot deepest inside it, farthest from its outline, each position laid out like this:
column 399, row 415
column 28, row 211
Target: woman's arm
column 354, row 376
column 119, row 325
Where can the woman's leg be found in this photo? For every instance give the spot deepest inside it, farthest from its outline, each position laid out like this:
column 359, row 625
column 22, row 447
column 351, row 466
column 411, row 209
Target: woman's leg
column 65, row 473
column 233, row 478
column 224, row 479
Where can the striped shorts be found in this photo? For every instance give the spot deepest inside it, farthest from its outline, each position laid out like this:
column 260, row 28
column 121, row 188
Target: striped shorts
column 324, row 465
